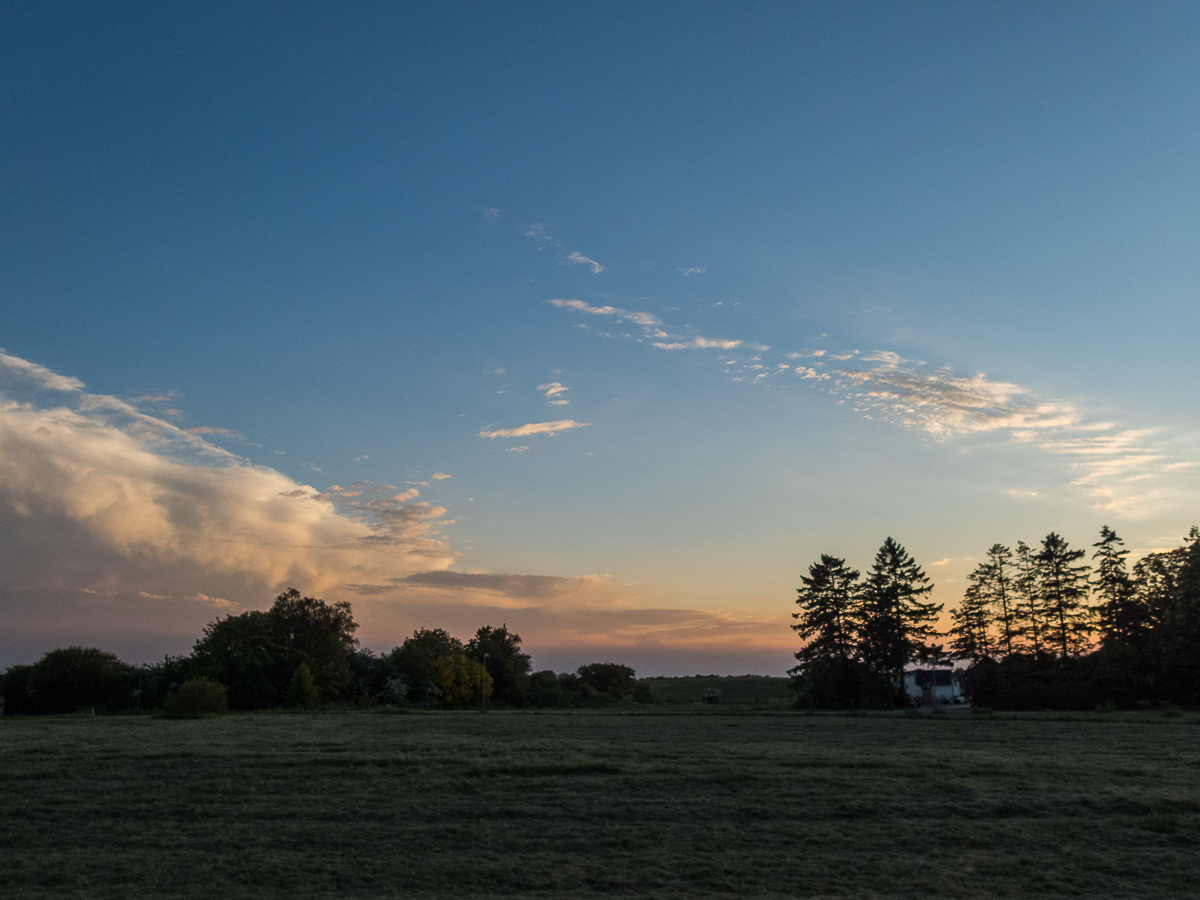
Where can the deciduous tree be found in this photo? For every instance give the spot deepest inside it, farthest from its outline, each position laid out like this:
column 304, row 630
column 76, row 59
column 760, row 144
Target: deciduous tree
column 507, row 665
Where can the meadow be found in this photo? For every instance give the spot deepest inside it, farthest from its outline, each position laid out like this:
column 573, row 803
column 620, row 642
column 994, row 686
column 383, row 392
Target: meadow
column 625, row 801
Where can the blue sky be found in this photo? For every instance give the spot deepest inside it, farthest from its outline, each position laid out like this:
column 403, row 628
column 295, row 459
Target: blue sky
column 796, row 277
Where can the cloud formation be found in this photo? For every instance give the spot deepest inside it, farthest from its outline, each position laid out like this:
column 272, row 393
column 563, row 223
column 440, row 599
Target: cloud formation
column 538, row 232
column 562, row 618
column 653, row 327
column 698, row 343
column 37, row 375
column 97, row 496
column 578, row 259
column 551, row 391
column 548, row 428
column 1111, row 466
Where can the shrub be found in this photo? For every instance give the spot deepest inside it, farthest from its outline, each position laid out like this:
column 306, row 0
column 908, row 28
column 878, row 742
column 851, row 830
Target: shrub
column 197, row 698
column 302, row 692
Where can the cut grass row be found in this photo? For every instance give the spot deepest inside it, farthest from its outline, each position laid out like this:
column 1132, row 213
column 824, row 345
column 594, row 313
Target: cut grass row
column 600, row 803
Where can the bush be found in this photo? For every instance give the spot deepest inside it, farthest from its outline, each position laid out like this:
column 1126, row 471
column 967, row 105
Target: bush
column 197, row 698
column 302, row 692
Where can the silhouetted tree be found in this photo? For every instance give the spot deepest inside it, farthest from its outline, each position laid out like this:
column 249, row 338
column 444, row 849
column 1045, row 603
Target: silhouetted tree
column 997, row 587
column 1124, row 617
column 1063, row 589
column 830, row 611
column 971, row 632
column 507, row 665
column 438, row 670
column 1029, row 612
column 1179, row 643
column 241, row 653
column 614, row 679
column 318, row 634
column 70, row 679
column 830, row 671
column 898, row 622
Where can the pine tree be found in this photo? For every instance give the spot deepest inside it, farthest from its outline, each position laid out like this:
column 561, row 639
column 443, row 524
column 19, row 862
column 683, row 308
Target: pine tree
column 1030, row 615
column 829, row 611
column 1123, row 616
column 992, row 603
column 898, row 622
column 829, row 671
column 1179, row 634
column 970, row 633
column 1063, row 587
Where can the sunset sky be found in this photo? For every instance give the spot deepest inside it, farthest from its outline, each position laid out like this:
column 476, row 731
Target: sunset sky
column 599, row 320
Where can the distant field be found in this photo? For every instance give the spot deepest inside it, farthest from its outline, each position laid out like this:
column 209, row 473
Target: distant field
column 696, row 803
column 739, row 690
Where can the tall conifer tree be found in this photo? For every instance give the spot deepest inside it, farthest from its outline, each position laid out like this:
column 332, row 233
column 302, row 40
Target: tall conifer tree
column 829, row 615
column 971, row 632
column 1124, row 617
column 898, row 622
column 1063, row 587
column 1030, row 615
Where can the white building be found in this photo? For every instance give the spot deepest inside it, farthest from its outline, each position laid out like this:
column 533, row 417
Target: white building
column 929, row 686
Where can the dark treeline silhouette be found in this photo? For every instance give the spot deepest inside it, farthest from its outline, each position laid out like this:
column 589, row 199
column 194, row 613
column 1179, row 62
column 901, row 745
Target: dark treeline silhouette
column 860, row 634
column 1043, row 629
column 1037, row 628
column 302, row 653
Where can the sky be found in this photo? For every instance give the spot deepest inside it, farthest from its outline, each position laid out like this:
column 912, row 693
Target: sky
column 602, row 321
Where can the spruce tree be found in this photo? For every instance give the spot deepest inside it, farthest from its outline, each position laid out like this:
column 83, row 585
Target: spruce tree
column 970, row 633
column 829, row 610
column 898, row 622
column 1030, row 615
column 1179, row 637
column 829, row 672
column 1124, row 618
column 990, row 602
column 1063, row 587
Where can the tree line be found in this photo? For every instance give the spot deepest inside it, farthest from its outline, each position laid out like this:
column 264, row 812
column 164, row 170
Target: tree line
column 302, row 653
column 1038, row 627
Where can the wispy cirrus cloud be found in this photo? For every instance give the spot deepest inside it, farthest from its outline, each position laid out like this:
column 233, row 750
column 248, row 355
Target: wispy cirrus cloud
column 547, row 428
column 1115, row 468
column 578, row 259
column 208, row 429
column 698, row 343
column 645, row 319
column 538, row 232
column 653, row 328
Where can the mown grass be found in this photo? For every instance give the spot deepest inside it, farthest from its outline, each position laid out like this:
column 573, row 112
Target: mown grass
column 738, row 690
column 600, row 803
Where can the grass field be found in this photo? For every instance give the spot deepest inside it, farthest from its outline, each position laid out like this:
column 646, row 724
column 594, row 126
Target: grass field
column 601, row 803
column 740, row 690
